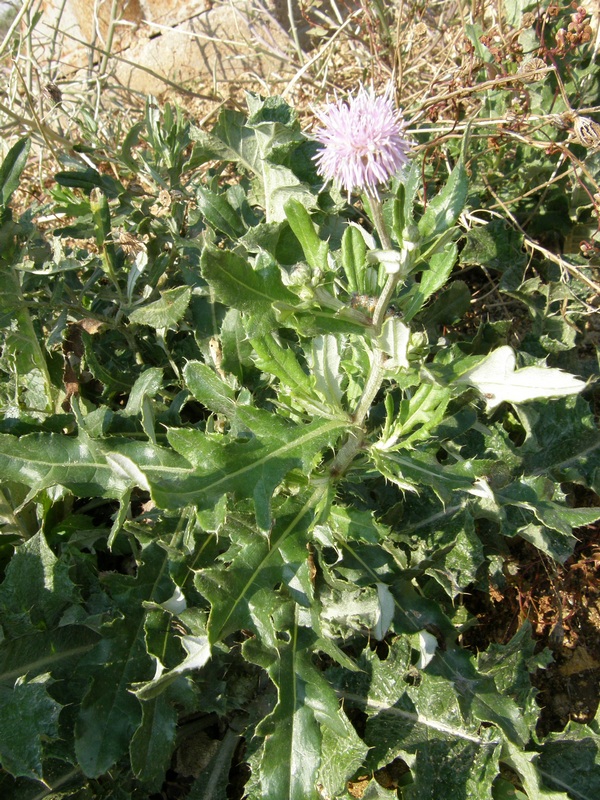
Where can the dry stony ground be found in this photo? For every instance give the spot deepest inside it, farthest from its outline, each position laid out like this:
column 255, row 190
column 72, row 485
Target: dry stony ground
column 562, row 604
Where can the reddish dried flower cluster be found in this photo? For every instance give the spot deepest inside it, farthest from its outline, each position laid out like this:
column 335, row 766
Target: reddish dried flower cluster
column 578, row 32
column 503, row 48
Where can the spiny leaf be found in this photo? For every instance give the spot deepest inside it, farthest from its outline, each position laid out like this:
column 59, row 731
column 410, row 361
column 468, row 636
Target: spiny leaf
column 152, row 744
column 237, row 284
column 499, row 381
column 306, row 707
column 28, row 715
column 252, row 468
column 236, row 592
column 315, row 249
column 80, row 464
column 208, row 388
column 219, row 213
column 43, row 651
column 443, row 211
column 354, row 259
column 165, row 312
column 109, row 713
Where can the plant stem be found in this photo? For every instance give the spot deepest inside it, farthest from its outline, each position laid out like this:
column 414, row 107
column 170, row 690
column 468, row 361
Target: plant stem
column 355, row 439
column 377, row 214
column 384, row 301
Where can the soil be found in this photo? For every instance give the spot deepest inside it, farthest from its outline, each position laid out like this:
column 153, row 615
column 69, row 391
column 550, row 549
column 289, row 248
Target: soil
column 562, row 604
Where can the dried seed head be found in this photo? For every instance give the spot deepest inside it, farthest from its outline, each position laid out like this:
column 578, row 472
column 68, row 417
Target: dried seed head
column 130, row 244
column 530, row 71
column 528, row 19
column 587, row 132
column 561, row 121
column 53, row 93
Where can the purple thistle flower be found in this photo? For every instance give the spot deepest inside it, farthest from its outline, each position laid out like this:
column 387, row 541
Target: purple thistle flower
column 362, row 141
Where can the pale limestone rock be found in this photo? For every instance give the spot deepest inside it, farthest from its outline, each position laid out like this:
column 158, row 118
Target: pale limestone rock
column 196, row 43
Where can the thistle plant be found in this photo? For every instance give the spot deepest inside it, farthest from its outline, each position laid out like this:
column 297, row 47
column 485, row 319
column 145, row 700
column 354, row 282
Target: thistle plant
column 259, row 520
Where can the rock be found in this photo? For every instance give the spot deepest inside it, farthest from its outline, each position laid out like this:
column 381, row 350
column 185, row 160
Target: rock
column 157, row 43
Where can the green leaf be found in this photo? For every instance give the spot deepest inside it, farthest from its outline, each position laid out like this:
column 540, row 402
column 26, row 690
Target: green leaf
column 213, row 782
column 354, row 259
column 88, row 179
column 198, row 654
column 432, row 279
column 152, row 744
column 12, row 168
column 292, row 750
column 146, row 386
column 22, row 349
column 103, row 368
column 258, row 144
column 248, row 469
column 564, row 441
column 28, row 716
column 230, row 140
column 209, row 389
column 449, row 307
column 82, row 465
column 43, row 651
column 478, row 695
column 394, row 341
column 569, row 761
column 514, row 10
column 415, row 469
column 240, row 593
column 417, row 416
column 445, row 208
column 524, row 764
column 165, row 312
column 421, row 721
column 447, row 546
column 326, row 369
column 494, row 245
column 237, row 284
column 102, row 222
column 36, row 588
column 511, row 666
column 306, row 706
column 315, row 249
column 272, row 357
column 110, row 713
column 219, row 213
column 498, row 380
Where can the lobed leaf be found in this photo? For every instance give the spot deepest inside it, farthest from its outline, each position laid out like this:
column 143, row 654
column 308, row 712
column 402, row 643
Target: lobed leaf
column 252, row 468
column 237, row 284
column 28, row 716
column 166, row 312
column 498, row 380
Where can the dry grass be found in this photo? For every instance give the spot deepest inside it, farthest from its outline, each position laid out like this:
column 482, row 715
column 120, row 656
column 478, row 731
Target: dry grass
column 443, row 83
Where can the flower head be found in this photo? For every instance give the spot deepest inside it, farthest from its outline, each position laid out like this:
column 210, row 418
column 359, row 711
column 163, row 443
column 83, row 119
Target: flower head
column 362, row 141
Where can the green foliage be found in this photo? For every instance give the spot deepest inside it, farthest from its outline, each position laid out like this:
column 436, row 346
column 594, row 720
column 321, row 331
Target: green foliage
column 233, row 497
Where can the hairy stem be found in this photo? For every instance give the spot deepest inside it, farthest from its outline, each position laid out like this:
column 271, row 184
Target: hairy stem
column 384, row 301
column 378, row 221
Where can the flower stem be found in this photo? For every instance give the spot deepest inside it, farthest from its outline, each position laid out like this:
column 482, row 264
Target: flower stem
column 378, row 221
column 355, row 439
column 384, row 301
